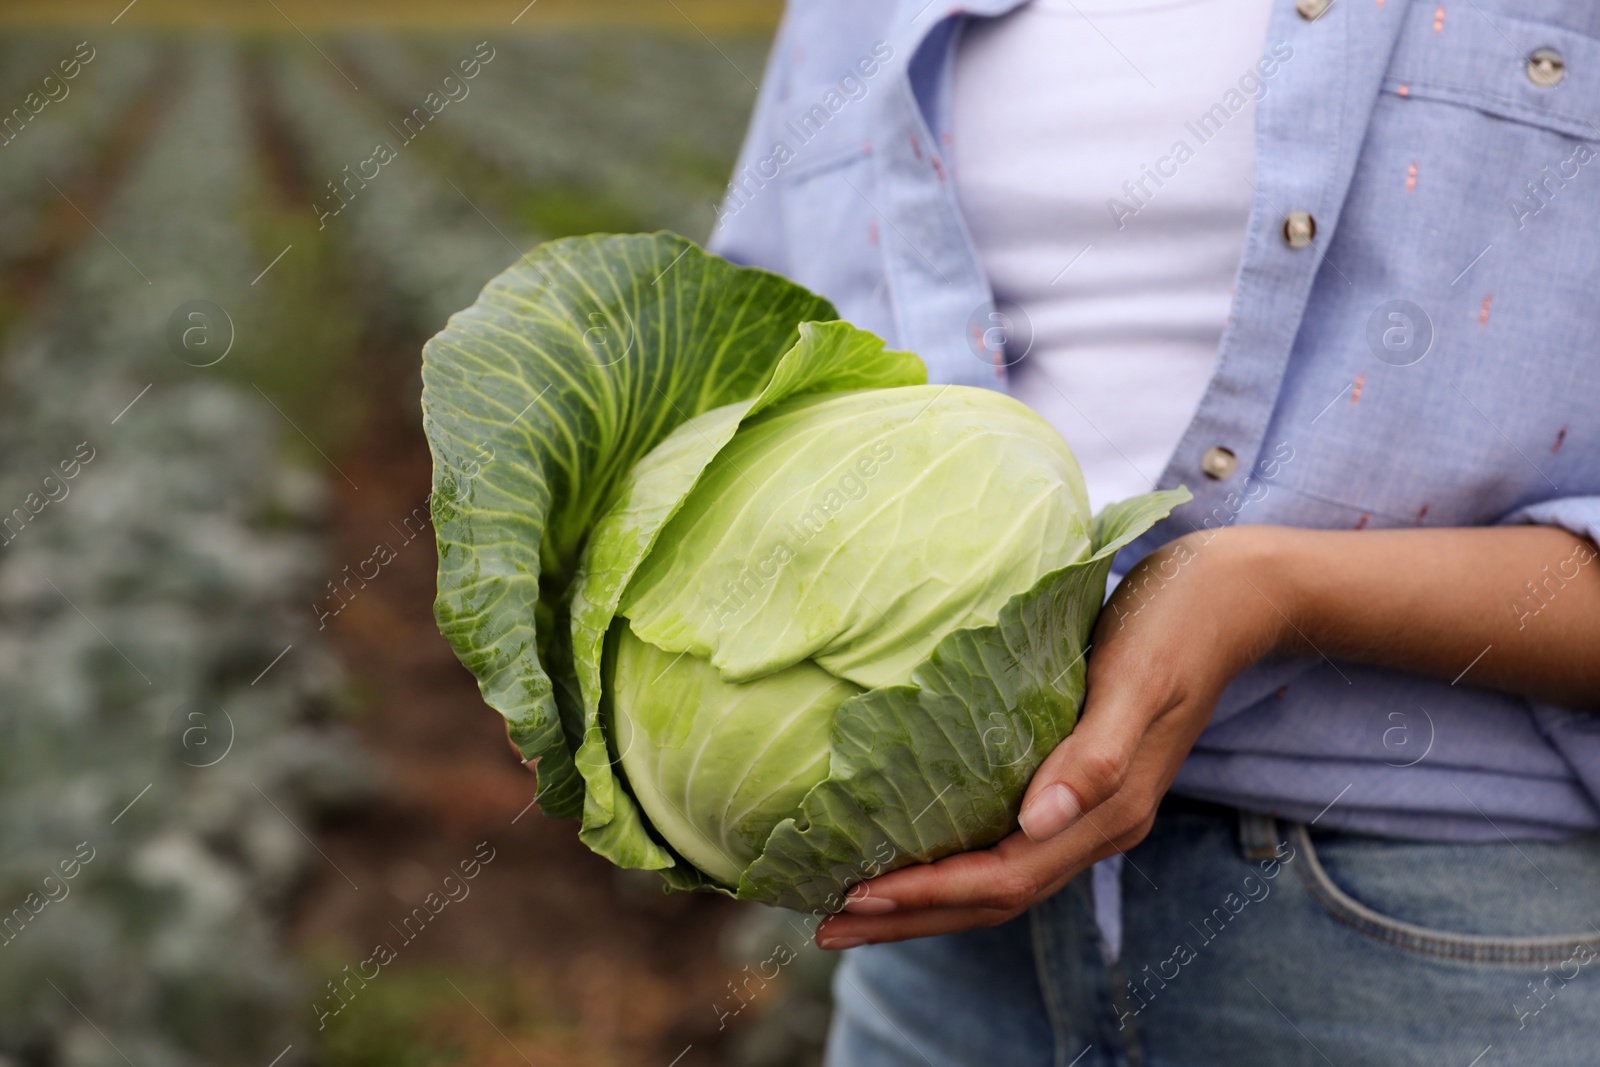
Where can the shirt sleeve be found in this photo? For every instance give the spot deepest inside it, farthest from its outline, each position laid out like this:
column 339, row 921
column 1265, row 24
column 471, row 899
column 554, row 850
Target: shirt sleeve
column 1579, row 514
column 749, row 227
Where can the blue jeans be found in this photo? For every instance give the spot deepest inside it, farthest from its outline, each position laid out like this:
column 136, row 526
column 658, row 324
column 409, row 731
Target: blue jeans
column 1252, row 941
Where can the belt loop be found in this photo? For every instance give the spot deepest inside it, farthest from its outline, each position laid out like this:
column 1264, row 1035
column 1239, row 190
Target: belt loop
column 1258, row 835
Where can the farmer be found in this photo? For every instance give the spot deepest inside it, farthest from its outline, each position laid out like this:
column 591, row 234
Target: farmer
column 1335, row 795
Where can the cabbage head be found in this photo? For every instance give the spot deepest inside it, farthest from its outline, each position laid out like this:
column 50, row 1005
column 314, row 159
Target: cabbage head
column 765, row 610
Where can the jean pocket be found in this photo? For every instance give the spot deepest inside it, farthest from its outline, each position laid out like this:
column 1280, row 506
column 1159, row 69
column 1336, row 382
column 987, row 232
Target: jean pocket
column 1409, row 934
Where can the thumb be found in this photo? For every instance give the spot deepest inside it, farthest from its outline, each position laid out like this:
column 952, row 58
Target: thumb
column 1087, row 768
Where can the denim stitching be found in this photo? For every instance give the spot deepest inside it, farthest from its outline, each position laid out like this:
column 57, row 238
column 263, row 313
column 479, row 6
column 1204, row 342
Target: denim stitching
column 1471, row 948
column 1044, row 972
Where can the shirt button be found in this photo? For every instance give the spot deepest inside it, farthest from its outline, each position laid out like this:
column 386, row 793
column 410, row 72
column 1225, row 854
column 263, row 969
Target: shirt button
column 1218, row 463
column 1299, row 228
column 1546, row 67
column 1310, row 10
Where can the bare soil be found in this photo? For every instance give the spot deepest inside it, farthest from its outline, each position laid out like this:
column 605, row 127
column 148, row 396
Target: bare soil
column 597, row 967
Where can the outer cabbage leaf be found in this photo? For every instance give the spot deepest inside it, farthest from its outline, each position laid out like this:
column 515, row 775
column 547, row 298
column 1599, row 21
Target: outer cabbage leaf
column 537, row 401
column 828, row 357
column 922, row 771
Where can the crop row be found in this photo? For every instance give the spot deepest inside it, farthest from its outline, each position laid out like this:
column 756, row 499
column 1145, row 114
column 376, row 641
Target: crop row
column 645, row 126
column 75, row 118
column 155, row 646
column 417, row 240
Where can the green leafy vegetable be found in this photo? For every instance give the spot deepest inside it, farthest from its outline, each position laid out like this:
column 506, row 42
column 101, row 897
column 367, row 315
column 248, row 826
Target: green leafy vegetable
column 771, row 614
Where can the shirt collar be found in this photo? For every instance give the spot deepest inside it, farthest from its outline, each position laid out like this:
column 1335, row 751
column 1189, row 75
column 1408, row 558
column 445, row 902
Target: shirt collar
column 915, row 19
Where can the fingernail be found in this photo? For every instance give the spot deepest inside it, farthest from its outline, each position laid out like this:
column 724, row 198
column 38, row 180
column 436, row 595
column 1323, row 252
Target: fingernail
column 1049, row 813
column 834, row 944
column 868, row 905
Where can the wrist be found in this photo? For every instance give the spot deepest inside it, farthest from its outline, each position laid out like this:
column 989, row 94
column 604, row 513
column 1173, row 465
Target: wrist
column 1262, row 564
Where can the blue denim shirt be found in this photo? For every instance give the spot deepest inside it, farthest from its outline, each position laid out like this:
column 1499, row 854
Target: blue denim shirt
column 1430, row 358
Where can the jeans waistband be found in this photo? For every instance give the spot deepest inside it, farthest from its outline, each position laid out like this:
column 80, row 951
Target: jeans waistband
column 1258, row 834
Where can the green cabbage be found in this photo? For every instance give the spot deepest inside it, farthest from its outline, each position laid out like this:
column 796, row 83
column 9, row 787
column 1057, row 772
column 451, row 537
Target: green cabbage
column 765, row 610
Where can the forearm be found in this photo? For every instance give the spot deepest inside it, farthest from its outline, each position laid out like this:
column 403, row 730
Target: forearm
column 1515, row 608
column 1453, row 603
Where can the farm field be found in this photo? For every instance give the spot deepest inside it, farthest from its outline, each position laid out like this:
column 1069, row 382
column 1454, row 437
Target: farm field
column 227, row 709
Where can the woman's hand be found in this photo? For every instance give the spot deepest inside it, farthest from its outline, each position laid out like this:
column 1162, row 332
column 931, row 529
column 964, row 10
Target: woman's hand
column 1513, row 607
column 1180, row 626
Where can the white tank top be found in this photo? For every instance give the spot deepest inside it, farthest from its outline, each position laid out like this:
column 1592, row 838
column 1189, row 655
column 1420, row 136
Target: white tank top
column 1103, row 153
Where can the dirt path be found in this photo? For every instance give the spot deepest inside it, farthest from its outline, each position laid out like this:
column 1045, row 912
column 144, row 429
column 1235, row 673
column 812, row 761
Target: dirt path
column 553, row 957
column 30, row 278
column 606, row 969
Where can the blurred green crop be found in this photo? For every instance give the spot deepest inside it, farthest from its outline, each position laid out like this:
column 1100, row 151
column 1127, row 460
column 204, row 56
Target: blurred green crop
column 179, row 306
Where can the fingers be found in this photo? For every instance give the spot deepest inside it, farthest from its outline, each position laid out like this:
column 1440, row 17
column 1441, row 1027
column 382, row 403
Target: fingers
column 961, row 891
column 985, row 888
column 998, row 878
column 1093, row 796
column 1092, row 764
column 842, row 932
column 1004, row 879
